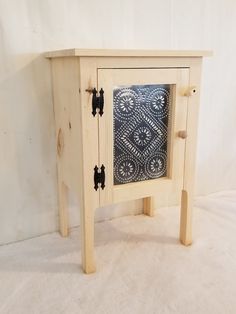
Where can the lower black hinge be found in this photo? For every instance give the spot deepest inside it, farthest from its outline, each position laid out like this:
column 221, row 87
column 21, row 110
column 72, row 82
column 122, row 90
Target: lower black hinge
column 99, row 177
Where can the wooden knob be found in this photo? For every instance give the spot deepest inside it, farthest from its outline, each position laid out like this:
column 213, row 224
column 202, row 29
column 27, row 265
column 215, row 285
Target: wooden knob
column 182, row 134
column 191, row 91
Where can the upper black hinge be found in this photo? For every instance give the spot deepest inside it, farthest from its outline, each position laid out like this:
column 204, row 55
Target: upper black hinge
column 99, row 177
column 97, row 102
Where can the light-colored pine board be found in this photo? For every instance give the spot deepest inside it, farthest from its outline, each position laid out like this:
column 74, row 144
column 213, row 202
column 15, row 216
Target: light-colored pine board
column 190, row 155
column 84, row 141
column 75, row 158
column 148, row 206
column 107, row 79
column 74, row 52
column 63, row 209
column 90, row 157
column 67, row 108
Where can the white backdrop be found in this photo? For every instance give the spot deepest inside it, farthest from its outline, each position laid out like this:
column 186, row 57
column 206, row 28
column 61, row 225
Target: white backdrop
column 28, row 203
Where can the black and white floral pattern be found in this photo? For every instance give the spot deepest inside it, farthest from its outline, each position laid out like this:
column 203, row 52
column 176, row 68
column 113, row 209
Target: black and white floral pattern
column 141, row 115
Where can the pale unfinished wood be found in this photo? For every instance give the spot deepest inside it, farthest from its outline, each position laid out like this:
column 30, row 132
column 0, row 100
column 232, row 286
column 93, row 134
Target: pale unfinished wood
column 108, row 78
column 63, row 209
column 89, row 125
column 141, row 62
column 148, row 206
column 83, row 141
column 186, row 217
column 133, row 190
column 67, row 114
column 125, row 53
column 190, row 155
column 74, row 156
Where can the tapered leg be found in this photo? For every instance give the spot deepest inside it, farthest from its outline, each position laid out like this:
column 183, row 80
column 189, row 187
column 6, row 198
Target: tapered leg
column 87, row 239
column 186, row 218
column 63, row 209
column 148, row 206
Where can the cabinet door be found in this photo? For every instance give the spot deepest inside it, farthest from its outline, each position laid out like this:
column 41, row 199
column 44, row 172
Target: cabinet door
column 138, row 133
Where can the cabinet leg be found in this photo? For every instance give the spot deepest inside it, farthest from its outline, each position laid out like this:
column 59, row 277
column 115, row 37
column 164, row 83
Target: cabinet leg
column 186, row 218
column 87, row 239
column 148, row 206
column 63, row 209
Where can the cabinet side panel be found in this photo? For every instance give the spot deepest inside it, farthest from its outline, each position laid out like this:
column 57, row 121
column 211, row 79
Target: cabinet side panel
column 190, row 154
column 67, row 109
column 192, row 124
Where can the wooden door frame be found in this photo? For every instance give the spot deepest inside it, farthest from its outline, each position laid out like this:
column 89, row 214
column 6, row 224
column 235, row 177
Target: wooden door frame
column 131, row 191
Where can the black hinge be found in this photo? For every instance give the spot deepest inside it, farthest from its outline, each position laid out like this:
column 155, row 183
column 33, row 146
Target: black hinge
column 99, row 177
column 97, row 101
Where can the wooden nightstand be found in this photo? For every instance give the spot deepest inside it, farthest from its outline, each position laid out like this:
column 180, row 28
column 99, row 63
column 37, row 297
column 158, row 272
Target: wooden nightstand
column 126, row 125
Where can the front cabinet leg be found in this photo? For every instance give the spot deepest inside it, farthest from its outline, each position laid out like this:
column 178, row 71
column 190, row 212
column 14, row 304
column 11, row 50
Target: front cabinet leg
column 87, row 239
column 186, row 218
column 148, row 206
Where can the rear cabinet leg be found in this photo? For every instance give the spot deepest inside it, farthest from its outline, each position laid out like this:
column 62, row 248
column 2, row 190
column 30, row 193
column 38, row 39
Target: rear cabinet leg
column 148, row 206
column 63, row 208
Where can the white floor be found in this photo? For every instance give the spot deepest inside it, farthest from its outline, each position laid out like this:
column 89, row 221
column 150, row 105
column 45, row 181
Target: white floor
column 141, row 267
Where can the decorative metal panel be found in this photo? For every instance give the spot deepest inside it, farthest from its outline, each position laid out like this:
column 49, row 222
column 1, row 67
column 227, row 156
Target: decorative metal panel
column 141, row 119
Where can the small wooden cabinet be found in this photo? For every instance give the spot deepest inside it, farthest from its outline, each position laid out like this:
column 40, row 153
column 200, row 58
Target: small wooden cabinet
column 126, row 127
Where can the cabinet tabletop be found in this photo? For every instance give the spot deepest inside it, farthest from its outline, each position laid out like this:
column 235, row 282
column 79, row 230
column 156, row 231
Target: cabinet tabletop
column 126, row 53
